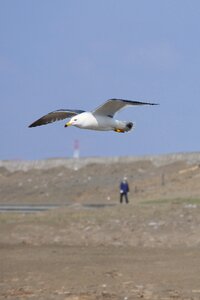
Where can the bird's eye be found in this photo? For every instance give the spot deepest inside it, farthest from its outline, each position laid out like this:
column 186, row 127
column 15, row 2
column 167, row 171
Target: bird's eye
column 75, row 119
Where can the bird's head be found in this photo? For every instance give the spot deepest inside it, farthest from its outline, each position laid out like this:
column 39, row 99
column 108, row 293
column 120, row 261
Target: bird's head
column 79, row 120
column 74, row 121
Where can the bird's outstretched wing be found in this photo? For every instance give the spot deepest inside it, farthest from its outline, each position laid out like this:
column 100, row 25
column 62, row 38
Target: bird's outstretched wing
column 111, row 106
column 56, row 116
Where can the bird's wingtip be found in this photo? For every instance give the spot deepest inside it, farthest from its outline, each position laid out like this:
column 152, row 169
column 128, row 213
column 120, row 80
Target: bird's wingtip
column 133, row 101
column 154, row 103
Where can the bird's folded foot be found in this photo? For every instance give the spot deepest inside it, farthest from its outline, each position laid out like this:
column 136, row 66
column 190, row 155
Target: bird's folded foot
column 119, row 130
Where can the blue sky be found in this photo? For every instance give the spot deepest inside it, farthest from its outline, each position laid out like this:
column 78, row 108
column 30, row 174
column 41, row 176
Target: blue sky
column 77, row 54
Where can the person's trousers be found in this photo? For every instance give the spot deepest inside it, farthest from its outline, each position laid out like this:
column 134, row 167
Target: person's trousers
column 123, row 195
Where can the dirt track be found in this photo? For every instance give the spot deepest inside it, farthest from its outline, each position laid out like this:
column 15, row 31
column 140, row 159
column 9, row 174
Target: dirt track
column 63, row 272
column 148, row 249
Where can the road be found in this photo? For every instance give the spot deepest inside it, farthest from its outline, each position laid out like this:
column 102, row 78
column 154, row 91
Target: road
column 44, row 207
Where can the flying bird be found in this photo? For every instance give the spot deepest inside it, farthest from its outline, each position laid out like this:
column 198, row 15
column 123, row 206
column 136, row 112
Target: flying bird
column 102, row 118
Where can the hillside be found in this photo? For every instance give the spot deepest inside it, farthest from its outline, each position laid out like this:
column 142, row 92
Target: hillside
column 96, row 180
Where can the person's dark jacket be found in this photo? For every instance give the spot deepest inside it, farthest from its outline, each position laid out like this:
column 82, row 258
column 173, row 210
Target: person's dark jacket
column 124, row 188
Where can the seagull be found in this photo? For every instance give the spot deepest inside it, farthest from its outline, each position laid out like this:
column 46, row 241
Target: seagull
column 101, row 119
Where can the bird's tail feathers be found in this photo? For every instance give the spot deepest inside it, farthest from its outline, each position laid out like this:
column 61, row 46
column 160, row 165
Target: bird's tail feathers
column 129, row 126
column 125, row 127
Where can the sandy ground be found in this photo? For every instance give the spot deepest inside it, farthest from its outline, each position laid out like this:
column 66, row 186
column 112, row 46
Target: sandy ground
column 68, row 272
column 148, row 249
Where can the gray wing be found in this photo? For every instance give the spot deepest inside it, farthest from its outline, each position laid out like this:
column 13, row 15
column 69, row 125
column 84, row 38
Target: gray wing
column 56, row 116
column 111, row 106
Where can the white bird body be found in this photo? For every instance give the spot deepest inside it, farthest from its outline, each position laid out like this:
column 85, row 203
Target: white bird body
column 85, row 120
column 101, row 119
column 88, row 120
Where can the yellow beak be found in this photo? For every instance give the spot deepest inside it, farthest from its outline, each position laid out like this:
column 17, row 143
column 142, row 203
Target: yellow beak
column 68, row 124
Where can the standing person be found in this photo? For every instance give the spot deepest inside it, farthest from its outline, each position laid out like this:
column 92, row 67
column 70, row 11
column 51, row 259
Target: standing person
column 124, row 189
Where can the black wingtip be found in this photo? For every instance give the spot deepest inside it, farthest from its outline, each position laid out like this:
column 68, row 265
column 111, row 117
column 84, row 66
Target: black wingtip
column 32, row 125
column 35, row 124
column 134, row 102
